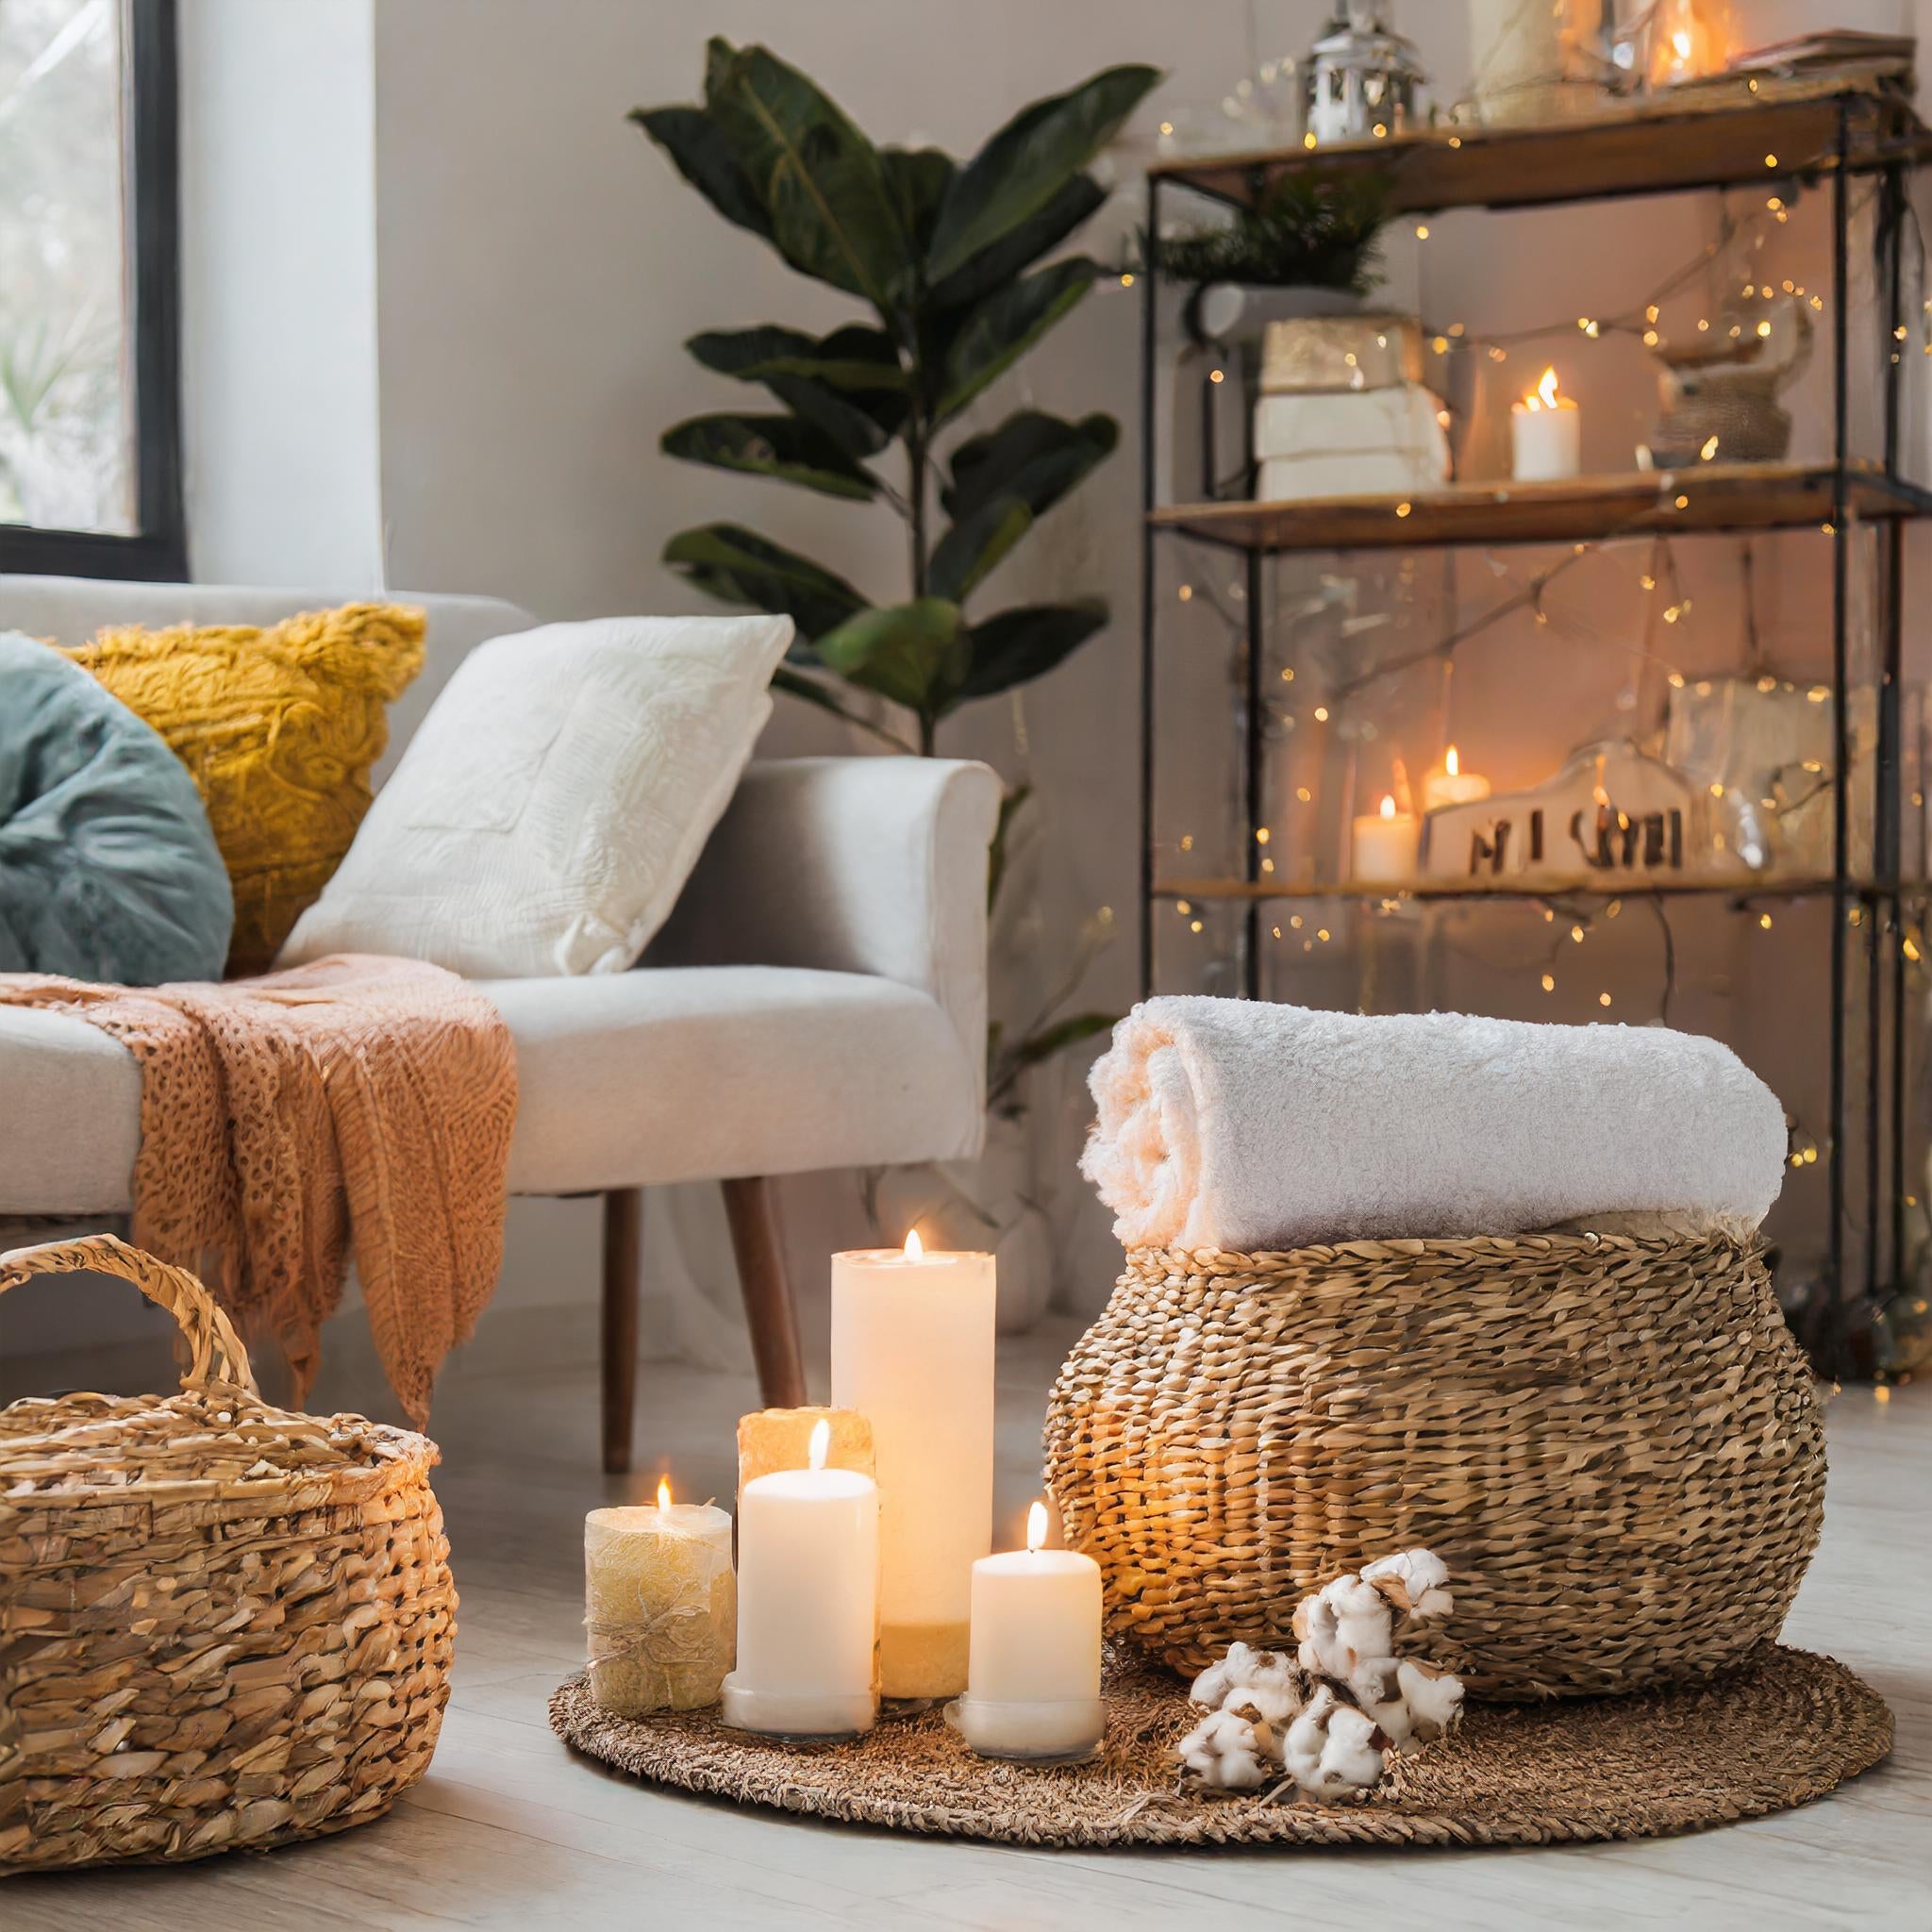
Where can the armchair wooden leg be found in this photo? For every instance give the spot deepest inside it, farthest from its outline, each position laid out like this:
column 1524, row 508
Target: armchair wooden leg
column 767, row 1310
column 623, row 1226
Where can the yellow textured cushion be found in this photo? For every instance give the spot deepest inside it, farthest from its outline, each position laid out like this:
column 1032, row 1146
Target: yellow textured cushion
column 279, row 726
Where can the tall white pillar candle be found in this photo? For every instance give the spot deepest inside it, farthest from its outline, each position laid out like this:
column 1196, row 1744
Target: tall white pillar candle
column 1034, row 1684
column 807, row 1602
column 912, row 1347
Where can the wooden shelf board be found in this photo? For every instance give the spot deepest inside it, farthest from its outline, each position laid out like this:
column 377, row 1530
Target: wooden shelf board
column 1743, row 887
column 1716, row 497
column 1718, row 136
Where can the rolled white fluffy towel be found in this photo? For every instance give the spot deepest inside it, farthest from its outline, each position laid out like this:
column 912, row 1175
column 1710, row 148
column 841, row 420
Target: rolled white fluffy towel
column 1249, row 1127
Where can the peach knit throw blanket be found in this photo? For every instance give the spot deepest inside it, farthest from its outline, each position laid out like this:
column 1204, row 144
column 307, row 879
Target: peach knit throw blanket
column 352, row 1104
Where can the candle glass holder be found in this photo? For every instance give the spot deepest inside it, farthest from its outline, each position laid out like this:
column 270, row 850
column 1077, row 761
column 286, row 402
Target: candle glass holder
column 814, row 1718
column 1031, row 1732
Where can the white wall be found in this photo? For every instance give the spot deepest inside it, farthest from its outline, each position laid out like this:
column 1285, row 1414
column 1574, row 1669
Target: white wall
column 277, row 181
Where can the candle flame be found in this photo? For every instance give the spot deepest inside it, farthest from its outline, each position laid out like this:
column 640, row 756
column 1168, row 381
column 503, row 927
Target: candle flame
column 820, row 1443
column 1680, row 44
column 1035, row 1526
column 914, row 1246
column 1388, row 805
column 663, row 1492
column 1545, row 396
column 1451, row 763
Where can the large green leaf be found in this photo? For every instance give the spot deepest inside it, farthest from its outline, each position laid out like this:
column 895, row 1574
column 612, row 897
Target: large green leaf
column 850, row 385
column 1029, row 162
column 1022, row 246
column 1032, row 456
column 738, row 566
column 970, row 550
column 701, row 153
column 822, row 182
column 998, row 331
column 1021, row 645
column 776, row 446
column 853, row 358
column 918, row 178
column 915, row 653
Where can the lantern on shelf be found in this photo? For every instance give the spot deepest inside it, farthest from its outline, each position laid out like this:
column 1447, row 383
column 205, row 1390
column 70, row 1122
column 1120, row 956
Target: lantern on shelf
column 1361, row 78
column 1689, row 40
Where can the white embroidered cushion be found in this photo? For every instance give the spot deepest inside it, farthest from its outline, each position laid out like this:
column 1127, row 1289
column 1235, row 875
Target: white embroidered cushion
column 550, row 808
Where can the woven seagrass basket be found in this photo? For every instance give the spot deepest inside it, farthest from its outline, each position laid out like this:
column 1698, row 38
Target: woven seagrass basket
column 221, row 1624
column 1614, row 1443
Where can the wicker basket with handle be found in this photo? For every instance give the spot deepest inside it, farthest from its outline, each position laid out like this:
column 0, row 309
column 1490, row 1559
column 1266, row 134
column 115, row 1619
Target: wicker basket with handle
column 1613, row 1441
column 221, row 1624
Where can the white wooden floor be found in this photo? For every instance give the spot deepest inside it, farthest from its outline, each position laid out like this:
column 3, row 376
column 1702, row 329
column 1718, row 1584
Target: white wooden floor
column 509, row 1830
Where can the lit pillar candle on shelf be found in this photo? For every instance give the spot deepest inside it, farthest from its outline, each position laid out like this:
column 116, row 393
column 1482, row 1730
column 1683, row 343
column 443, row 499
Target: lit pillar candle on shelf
column 781, row 1438
column 1546, row 434
column 1034, row 1682
column 1385, row 844
column 1449, row 784
column 807, row 1601
column 660, row 1604
column 912, row 1349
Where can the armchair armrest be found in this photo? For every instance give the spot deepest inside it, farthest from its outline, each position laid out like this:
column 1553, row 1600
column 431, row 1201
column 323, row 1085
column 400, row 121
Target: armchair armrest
column 873, row 865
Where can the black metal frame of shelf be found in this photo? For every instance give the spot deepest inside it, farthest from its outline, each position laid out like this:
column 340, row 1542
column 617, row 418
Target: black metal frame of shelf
column 1880, row 899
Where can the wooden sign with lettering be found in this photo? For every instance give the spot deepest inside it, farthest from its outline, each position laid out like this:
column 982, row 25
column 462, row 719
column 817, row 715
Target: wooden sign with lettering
column 1612, row 813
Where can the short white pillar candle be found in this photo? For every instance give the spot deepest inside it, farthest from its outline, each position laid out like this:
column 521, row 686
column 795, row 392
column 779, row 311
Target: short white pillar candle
column 1449, row 784
column 1546, row 434
column 1385, row 843
column 807, row 1602
column 660, row 1604
column 912, row 1348
column 1034, row 1683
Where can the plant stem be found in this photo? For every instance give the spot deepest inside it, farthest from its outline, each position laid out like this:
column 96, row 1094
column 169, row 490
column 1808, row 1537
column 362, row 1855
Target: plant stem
column 915, row 468
column 928, row 735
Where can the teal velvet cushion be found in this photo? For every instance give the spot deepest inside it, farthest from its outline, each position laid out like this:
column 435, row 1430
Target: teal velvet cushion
column 108, row 870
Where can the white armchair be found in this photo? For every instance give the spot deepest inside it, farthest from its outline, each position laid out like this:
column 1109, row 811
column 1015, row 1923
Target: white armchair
column 818, row 1000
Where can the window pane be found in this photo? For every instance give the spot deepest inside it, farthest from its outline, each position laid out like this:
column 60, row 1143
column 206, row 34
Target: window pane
column 66, row 402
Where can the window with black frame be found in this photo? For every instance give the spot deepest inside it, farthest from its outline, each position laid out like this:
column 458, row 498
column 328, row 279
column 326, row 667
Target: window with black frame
column 89, row 386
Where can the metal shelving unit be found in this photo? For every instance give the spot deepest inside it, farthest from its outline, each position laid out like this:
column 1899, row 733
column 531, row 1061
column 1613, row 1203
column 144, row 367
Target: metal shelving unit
column 1736, row 134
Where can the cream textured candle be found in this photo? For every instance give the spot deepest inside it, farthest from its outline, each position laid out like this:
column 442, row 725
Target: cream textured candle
column 807, row 1601
column 660, row 1604
column 912, row 1348
column 1034, row 1685
column 772, row 1439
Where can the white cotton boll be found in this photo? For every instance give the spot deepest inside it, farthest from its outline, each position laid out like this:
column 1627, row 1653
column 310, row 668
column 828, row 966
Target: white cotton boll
column 1333, row 1748
column 1266, row 1680
column 1412, row 1580
column 1377, row 1688
column 1433, row 1696
column 1343, row 1625
column 1212, row 1687
column 1228, row 1753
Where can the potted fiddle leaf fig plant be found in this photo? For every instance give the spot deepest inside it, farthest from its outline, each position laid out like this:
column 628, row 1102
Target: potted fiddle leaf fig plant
column 947, row 259
column 958, row 271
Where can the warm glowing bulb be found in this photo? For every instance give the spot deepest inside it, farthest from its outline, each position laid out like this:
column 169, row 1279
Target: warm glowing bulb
column 1451, row 763
column 1035, row 1526
column 820, row 1443
column 914, row 1246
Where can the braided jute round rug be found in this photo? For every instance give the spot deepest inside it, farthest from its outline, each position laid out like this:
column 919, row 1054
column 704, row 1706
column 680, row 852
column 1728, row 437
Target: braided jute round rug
column 1779, row 1730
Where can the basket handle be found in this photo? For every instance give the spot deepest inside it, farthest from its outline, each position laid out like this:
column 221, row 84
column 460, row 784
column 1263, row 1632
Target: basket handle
column 215, row 1351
